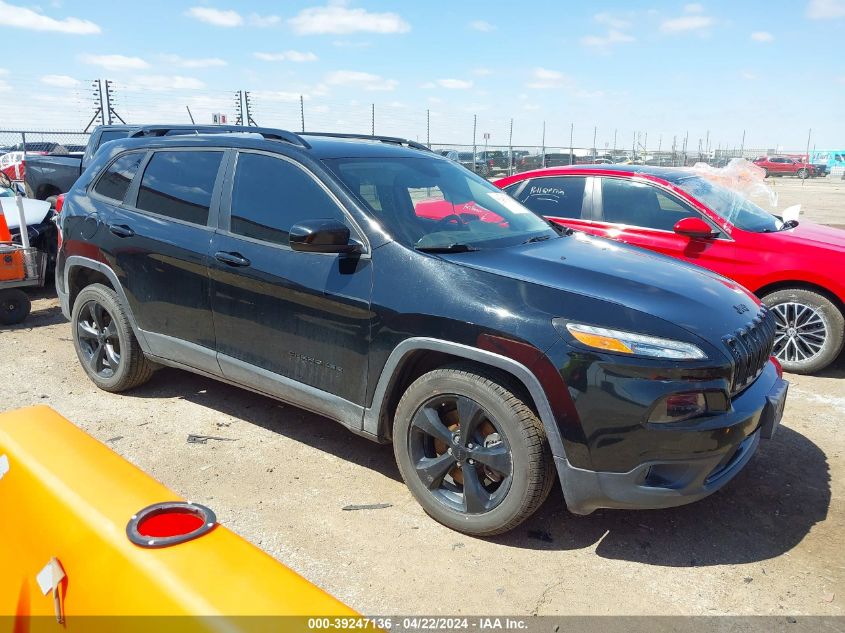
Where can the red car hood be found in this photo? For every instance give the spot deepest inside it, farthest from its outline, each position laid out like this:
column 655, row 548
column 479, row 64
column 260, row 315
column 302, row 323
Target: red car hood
column 821, row 236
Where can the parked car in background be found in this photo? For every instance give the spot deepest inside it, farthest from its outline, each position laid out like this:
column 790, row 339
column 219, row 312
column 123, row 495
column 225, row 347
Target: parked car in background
column 497, row 160
column 549, row 159
column 49, row 175
column 474, row 163
column 795, row 268
column 13, row 161
column 490, row 352
column 785, row 166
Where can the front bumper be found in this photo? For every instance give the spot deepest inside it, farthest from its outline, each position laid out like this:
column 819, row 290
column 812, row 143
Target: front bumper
column 660, row 483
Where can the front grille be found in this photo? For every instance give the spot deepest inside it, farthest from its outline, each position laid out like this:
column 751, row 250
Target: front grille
column 751, row 347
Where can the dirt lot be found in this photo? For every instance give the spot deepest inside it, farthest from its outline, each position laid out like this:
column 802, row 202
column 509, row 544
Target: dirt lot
column 772, row 542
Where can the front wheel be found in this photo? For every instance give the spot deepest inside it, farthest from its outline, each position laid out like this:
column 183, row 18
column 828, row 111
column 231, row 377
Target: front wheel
column 471, row 451
column 803, row 174
column 810, row 329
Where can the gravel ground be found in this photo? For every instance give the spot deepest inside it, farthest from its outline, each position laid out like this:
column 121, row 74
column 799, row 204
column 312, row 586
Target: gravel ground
column 771, row 542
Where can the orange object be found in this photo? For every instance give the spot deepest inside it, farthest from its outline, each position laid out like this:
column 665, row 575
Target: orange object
column 11, row 263
column 5, row 234
column 67, row 506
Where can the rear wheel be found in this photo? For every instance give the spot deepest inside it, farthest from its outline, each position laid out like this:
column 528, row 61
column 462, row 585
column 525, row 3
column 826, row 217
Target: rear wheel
column 810, row 329
column 14, row 306
column 104, row 341
column 471, row 451
column 803, row 174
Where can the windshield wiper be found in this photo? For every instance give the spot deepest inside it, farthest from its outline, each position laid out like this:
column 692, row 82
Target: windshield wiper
column 447, row 248
column 537, row 238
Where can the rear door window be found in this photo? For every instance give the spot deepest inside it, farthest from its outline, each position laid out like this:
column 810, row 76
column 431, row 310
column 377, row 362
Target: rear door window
column 179, row 185
column 115, row 181
column 560, row 197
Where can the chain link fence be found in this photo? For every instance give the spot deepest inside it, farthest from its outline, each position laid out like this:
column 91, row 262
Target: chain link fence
column 16, row 145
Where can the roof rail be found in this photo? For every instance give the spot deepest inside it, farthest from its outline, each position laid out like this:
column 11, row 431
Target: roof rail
column 394, row 140
column 268, row 133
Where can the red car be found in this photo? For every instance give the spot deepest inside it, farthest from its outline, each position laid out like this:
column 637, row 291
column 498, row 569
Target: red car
column 797, row 269
column 785, row 166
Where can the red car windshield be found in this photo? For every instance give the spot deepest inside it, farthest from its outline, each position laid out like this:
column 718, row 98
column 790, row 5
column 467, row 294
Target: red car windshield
column 731, row 206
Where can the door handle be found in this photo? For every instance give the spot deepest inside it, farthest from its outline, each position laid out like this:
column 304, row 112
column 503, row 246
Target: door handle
column 121, row 230
column 233, row 259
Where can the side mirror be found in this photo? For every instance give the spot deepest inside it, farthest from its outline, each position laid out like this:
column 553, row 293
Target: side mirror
column 5, row 181
column 322, row 236
column 694, row 227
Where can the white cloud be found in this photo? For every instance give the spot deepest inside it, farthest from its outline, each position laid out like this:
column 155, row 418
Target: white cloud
column 358, row 79
column 262, row 21
column 163, row 83
column 543, row 78
column 4, row 87
column 686, row 23
column 762, row 36
column 114, row 62
column 693, row 8
column 24, row 18
column 454, row 84
column 216, row 17
column 286, row 56
column 604, row 42
column 199, row 62
column 611, row 20
column 59, row 81
column 338, row 19
column 482, row 25
column 826, row 9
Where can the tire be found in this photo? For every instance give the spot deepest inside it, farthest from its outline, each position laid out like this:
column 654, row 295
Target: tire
column 765, row 173
column 14, row 306
column 810, row 330
column 52, row 201
column 28, row 190
column 506, row 497
column 803, row 174
column 105, row 344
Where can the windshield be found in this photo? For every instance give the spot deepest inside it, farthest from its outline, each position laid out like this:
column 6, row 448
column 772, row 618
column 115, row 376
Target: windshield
column 731, row 206
column 435, row 204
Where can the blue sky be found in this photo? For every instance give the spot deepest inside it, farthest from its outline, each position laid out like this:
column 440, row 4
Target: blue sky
column 772, row 68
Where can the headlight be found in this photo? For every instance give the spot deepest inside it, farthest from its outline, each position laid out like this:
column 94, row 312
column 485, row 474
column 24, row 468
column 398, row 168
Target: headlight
column 628, row 342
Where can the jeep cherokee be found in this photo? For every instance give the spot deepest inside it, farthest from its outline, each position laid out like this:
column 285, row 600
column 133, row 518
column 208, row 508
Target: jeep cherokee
column 489, row 346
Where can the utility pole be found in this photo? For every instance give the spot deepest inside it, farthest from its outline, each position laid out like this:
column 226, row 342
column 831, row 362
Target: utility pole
column 110, row 103
column 742, row 145
column 595, row 130
column 474, row 148
column 510, row 150
column 571, row 149
column 613, row 155
column 543, row 150
column 373, row 119
column 98, row 104
column 239, row 110
column 428, row 128
column 302, row 111
column 248, row 109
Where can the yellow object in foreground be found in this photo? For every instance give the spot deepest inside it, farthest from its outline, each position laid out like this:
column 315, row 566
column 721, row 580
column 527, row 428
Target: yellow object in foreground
column 65, row 500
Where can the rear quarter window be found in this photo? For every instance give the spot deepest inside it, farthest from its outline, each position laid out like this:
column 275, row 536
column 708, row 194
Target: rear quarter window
column 115, row 180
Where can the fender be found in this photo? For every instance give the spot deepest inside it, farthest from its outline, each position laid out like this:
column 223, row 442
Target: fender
column 78, row 261
column 373, row 415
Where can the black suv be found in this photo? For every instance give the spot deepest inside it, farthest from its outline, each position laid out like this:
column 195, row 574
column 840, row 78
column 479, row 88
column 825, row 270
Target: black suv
column 489, row 346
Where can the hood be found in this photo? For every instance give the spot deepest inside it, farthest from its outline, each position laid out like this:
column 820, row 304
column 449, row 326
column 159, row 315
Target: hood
column 693, row 298
column 821, row 236
column 35, row 211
